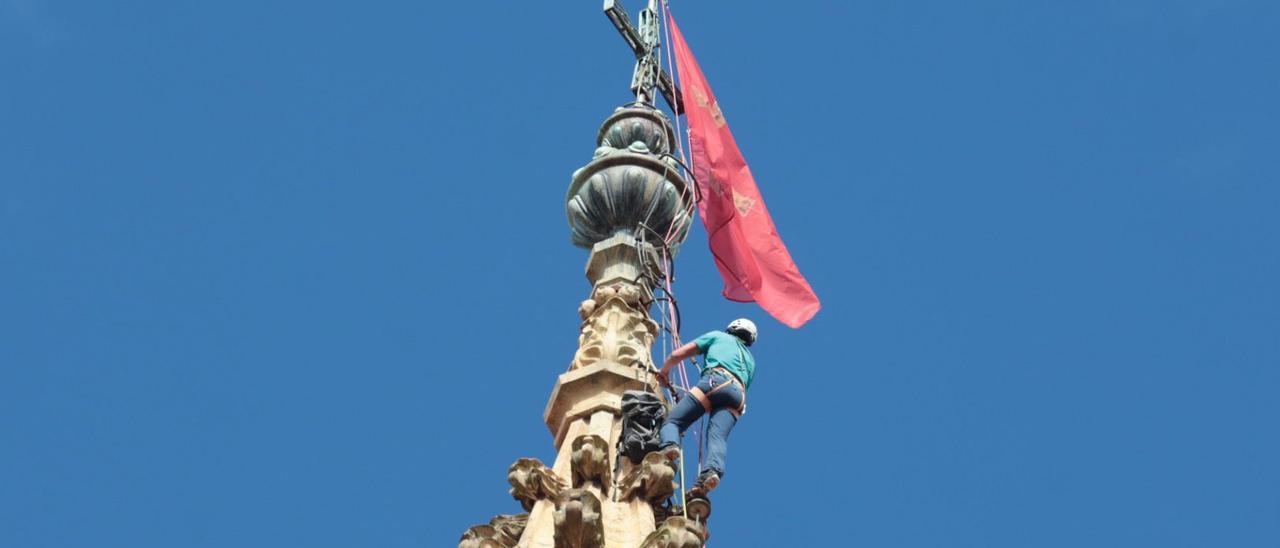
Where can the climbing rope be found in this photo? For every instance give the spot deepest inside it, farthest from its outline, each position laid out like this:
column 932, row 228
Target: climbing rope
column 668, row 305
column 672, row 318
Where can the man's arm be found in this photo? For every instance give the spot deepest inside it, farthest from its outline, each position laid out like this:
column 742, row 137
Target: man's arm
column 678, row 355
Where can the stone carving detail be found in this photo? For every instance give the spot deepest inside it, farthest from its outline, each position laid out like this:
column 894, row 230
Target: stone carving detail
column 501, row 532
column 652, row 480
column 616, row 327
column 483, row 536
column 532, row 481
column 676, row 532
column 590, row 461
column 578, row 520
column 510, row 525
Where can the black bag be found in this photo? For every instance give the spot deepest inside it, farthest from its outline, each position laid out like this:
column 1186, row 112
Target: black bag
column 642, row 417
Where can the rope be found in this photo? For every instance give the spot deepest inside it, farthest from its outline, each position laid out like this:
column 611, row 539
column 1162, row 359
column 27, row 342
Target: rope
column 672, row 306
column 669, row 307
column 674, row 71
column 671, row 69
column 669, row 316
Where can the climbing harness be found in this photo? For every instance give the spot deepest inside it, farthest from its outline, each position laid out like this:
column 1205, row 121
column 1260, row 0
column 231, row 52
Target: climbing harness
column 705, row 400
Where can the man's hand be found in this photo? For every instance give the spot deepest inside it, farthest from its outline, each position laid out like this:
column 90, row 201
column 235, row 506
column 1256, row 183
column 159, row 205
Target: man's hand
column 663, row 378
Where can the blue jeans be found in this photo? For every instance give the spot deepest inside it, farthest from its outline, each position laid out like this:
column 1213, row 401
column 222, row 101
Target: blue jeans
column 726, row 399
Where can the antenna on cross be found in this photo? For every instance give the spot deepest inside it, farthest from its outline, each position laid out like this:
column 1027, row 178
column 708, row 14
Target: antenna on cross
column 644, row 43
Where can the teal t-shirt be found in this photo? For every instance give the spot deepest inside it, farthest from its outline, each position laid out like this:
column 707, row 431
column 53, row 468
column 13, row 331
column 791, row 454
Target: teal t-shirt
column 724, row 350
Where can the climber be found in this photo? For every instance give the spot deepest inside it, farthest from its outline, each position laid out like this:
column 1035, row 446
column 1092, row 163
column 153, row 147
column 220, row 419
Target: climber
column 727, row 369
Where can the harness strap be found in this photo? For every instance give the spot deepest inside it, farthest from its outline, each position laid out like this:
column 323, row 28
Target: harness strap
column 697, row 394
column 722, row 385
column 733, row 379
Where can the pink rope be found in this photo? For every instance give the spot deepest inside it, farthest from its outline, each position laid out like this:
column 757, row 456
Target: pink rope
column 683, row 141
column 674, row 71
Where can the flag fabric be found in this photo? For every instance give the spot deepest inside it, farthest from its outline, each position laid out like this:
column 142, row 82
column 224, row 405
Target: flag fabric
column 752, row 260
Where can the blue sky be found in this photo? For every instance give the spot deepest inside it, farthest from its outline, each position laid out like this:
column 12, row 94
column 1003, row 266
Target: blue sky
column 297, row 273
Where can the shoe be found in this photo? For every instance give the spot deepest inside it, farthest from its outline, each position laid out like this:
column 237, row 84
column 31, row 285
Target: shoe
column 672, row 452
column 706, row 483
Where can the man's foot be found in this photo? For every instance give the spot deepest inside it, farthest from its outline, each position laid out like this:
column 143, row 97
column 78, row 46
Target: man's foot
column 706, row 482
column 671, row 452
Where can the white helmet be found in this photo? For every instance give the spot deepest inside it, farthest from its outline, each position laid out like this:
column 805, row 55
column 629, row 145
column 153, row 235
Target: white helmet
column 745, row 329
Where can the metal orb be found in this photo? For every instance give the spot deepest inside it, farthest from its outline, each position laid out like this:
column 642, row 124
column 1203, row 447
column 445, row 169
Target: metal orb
column 624, row 191
column 634, row 124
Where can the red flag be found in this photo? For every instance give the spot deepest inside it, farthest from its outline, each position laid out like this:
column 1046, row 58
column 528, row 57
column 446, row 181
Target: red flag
column 752, row 260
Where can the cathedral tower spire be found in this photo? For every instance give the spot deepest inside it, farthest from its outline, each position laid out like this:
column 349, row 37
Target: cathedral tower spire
column 631, row 207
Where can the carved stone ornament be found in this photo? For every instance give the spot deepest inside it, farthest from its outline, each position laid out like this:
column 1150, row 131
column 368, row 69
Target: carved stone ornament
column 483, row 536
column 510, row 525
column 590, row 461
column 652, row 480
column 578, row 520
column 532, row 481
column 502, row 532
column 676, row 532
column 616, row 327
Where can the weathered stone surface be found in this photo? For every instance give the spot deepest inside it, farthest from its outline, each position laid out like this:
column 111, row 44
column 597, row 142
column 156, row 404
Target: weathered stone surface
column 616, row 327
column 502, row 532
column 652, row 480
column 510, row 526
column 676, row 532
column 627, row 199
column 624, row 259
column 484, row 536
column 598, row 387
column 590, row 461
column 531, row 481
column 578, row 520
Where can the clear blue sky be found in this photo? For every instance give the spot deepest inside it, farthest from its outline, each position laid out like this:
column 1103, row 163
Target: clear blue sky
column 297, row 273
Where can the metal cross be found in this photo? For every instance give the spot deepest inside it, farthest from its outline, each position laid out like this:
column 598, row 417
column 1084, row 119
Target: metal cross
column 644, row 43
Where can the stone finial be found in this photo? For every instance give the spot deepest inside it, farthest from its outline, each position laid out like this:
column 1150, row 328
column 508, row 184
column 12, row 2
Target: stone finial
column 652, row 480
column 676, row 532
column 578, row 521
column 532, row 481
column 590, row 461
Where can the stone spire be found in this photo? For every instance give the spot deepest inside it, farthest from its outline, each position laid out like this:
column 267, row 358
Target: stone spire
column 619, row 206
column 627, row 205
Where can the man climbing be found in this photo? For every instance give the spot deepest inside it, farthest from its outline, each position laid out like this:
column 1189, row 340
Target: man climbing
column 727, row 369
